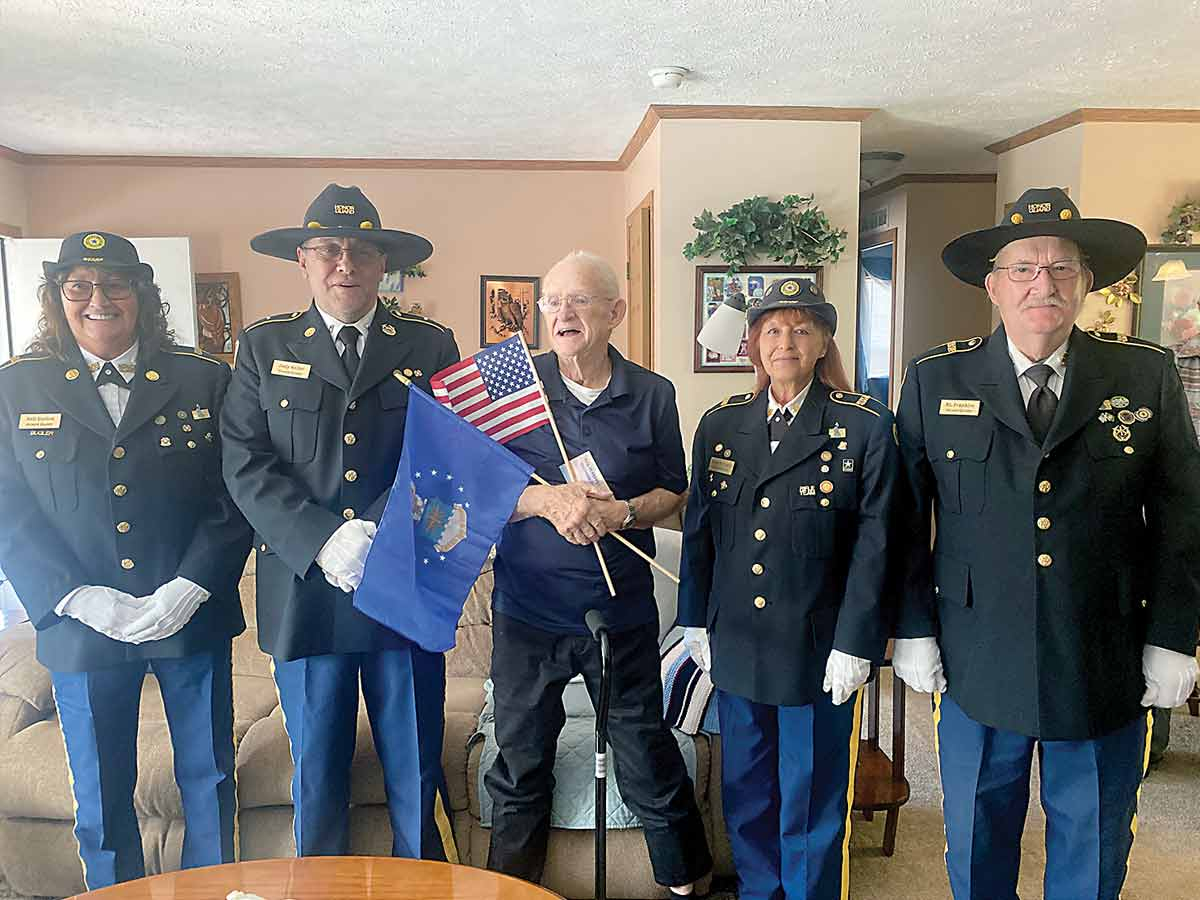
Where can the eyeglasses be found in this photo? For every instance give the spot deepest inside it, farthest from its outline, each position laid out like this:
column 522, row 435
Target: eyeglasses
column 553, row 304
column 360, row 254
column 78, row 291
column 1060, row 270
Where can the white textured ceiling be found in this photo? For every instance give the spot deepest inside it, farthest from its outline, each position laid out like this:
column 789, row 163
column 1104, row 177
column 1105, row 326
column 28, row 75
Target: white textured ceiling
column 565, row 79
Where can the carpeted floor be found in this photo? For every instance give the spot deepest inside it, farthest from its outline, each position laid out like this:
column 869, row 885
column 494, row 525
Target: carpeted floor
column 1166, row 855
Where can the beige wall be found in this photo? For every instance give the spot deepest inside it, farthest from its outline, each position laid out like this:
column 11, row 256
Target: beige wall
column 713, row 164
column 1137, row 171
column 937, row 306
column 480, row 222
column 14, row 194
column 1053, row 161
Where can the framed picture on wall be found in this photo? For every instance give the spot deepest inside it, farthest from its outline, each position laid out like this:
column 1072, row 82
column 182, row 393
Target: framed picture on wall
column 218, row 313
column 1170, row 286
column 507, row 306
column 713, row 285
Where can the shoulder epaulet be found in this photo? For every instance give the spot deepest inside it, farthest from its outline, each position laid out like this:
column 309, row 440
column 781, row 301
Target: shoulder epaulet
column 1111, row 337
column 732, row 400
column 865, row 402
column 193, row 352
column 413, row 317
column 269, row 320
column 24, row 357
column 950, row 348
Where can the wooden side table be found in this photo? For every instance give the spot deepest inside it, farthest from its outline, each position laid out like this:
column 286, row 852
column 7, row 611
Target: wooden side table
column 879, row 782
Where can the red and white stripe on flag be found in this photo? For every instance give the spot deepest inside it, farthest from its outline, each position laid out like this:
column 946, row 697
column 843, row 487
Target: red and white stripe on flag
column 495, row 390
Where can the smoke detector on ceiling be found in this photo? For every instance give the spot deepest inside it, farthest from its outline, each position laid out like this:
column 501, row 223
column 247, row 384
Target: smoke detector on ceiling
column 876, row 165
column 668, row 76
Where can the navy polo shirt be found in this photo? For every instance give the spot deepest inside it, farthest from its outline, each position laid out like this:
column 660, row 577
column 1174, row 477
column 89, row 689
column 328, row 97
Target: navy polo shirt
column 632, row 430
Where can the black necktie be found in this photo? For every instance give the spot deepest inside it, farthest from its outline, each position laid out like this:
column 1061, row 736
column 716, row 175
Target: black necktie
column 1042, row 402
column 779, row 423
column 110, row 375
column 349, row 338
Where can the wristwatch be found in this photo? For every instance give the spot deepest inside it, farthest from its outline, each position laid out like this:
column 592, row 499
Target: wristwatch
column 630, row 515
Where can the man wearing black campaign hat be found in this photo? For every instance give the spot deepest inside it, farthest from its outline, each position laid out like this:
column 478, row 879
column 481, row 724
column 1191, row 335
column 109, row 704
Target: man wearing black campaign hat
column 124, row 546
column 313, row 431
column 1060, row 598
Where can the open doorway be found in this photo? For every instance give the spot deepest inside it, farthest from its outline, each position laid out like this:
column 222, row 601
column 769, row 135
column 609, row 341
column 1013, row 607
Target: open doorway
column 874, row 344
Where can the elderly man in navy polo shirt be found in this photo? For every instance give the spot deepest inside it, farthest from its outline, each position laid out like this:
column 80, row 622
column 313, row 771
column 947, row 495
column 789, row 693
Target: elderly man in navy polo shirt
column 548, row 577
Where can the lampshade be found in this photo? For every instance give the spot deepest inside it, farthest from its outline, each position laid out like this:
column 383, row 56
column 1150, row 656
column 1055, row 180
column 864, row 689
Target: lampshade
column 1172, row 270
column 723, row 331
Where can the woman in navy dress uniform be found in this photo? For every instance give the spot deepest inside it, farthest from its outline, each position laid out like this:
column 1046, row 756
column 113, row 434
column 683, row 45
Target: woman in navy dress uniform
column 124, row 546
column 784, row 559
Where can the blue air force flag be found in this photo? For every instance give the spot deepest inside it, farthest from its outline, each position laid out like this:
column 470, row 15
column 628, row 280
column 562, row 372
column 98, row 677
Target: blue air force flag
column 454, row 490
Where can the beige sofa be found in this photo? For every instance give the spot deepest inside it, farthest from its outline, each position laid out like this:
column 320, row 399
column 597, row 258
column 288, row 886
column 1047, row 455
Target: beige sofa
column 37, row 848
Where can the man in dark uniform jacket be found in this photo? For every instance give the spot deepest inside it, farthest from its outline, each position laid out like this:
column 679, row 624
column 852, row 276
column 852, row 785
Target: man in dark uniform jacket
column 123, row 545
column 1064, row 476
column 313, row 433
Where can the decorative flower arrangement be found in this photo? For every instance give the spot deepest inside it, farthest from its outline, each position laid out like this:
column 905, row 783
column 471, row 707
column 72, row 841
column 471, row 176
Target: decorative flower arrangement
column 787, row 231
column 1183, row 220
column 1117, row 294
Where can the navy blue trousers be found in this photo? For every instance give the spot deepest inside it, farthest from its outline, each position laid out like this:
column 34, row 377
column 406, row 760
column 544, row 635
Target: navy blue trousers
column 1089, row 794
column 787, row 773
column 405, row 694
column 98, row 713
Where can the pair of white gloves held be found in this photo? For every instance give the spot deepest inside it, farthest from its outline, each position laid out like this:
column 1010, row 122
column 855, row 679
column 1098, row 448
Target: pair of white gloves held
column 1170, row 675
column 344, row 555
column 844, row 674
column 134, row 620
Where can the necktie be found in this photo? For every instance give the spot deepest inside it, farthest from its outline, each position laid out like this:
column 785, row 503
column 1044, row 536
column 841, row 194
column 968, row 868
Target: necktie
column 349, row 338
column 1042, row 402
column 779, row 423
column 110, row 375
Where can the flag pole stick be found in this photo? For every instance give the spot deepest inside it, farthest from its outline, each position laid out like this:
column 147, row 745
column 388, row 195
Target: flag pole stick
column 612, row 591
column 624, row 540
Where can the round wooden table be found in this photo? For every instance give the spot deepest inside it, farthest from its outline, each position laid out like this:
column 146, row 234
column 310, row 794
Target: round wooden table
column 329, row 878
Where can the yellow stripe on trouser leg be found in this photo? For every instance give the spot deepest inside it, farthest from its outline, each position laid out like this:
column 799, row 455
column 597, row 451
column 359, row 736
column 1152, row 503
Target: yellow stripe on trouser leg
column 1145, row 768
column 854, row 735
column 937, row 758
column 449, row 847
column 71, row 783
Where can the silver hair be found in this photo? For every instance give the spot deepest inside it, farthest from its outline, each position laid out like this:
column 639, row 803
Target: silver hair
column 599, row 269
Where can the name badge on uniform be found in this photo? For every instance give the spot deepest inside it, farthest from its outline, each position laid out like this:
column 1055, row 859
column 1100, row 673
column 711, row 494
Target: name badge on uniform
column 199, row 413
column 959, row 408
column 39, row 421
column 290, row 369
column 724, row 466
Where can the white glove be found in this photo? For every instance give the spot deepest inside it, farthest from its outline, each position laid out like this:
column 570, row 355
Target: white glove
column 845, row 674
column 918, row 663
column 111, row 612
column 345, row 553
column 167, row 610
column 1170, row 676
column 696, row 641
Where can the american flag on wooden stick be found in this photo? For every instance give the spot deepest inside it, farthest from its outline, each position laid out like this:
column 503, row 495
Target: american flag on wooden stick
column 496, row 390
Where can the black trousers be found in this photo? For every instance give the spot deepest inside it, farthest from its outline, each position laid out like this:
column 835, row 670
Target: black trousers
column 530, row 669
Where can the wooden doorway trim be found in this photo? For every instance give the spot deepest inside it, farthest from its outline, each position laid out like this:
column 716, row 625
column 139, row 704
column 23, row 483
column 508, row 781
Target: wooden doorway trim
column 867, row 241
column 639, row 278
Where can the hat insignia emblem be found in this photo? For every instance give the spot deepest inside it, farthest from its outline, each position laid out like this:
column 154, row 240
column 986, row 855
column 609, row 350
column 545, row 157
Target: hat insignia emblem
column 344, row 209
column 790, row 288
column 93, row 241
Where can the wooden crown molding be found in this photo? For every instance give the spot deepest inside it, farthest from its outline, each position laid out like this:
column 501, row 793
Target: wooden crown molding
column 933, row 178
column 654, row 114
column 1094, row 114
